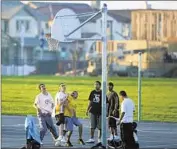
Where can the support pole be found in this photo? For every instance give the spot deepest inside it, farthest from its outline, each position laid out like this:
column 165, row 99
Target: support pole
column 22, row 57
column 83, row 39
column 139, row 86
column 104, row 74
column 22, row 47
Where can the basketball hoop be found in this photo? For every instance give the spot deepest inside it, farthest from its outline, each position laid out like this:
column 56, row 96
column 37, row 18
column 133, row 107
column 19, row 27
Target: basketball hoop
column 52, row 43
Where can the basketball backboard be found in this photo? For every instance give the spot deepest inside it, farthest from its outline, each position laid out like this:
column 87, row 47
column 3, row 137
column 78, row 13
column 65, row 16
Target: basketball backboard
column 62, row 25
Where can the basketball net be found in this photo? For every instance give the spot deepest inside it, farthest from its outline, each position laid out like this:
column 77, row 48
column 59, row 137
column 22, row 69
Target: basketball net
column 52, row 43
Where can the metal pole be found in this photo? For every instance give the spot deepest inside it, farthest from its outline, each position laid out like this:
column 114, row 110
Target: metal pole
column 83, row 39
column 22, row 55
column 139, row 86
column 104, row 74
column 22, row 46
column 41, row 53
column 83, row 23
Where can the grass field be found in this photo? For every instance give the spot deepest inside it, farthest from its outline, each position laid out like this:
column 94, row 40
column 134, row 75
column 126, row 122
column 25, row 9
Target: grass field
column 159, row 96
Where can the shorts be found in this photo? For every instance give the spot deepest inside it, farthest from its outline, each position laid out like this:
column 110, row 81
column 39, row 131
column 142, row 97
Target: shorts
column 112, row 123
column 76, row 121
column 60, row 119
column 68, row 123
column 95, row 121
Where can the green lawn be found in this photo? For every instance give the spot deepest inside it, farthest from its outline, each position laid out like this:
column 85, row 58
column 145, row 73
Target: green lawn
column 159, row 96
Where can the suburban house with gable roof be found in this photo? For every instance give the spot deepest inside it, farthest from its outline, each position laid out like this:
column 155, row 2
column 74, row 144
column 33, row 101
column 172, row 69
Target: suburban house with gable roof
column 14, row 15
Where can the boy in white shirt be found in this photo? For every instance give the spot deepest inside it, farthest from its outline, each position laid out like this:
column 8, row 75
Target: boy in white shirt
column 126, row 121
column 44, row 105
column 60, row 103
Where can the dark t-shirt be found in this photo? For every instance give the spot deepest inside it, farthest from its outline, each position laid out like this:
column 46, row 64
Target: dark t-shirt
column 113, row 104
column 95, row 98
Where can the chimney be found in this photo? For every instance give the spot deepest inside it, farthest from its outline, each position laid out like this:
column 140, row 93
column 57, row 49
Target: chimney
column 96, row 4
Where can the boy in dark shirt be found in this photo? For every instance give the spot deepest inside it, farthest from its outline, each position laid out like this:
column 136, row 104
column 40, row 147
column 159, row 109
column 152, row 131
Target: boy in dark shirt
column 94, row 110
column 113, row 110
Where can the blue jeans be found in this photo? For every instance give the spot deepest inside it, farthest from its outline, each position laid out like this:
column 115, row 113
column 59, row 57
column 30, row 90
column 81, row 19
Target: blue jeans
column 45, row 123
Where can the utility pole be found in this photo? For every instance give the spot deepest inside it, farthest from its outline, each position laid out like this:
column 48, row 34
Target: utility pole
column 104, row 73
column 22, row 46
column 139, row 86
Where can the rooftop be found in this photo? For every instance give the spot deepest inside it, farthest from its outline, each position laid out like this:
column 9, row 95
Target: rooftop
column 11, row 8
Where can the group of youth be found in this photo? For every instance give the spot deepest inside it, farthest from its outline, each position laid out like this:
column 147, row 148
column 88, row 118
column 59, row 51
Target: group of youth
column 65, row 106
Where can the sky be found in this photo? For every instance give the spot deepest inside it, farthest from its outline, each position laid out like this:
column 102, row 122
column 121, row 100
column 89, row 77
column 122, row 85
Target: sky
column 133, row 4
column 137, row 4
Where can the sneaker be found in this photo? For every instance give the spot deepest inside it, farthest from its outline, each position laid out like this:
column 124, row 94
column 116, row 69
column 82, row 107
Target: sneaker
column 110, row 138
column 99, row 140
column 59, row 138
column 90, row 141
column 80, row 141
column 58, row 143
column 116, row 138
column 135, row 137
column 63, row 139
column 68, row 144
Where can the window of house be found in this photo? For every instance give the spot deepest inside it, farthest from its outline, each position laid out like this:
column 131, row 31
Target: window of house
column 46, row 25
column 27, row 24
column 125, row 29
column 19, row 24
column 120, row 48
column 159, row 27
column 110, row 29
column 6, row 26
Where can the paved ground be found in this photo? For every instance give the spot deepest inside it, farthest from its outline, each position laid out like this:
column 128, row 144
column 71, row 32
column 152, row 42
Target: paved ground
column 151, row 135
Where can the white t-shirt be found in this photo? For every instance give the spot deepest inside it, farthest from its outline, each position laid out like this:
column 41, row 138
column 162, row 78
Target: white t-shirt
column 44, row 103
column 60, row 97
column 128, row 107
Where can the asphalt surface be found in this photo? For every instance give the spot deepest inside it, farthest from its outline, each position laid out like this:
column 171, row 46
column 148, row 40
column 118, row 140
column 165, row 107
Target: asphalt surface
column 150, row 134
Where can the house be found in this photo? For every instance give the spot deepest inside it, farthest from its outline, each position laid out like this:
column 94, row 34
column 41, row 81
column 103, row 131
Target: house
column 15, row 15
column 154, row 24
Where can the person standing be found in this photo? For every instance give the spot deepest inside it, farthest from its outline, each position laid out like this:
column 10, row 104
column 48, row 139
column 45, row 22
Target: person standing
column 94, row 111
column 68, row 113
column 113, row 110
column 126, row 121
column 44, row 105
column 60, row 103
column 72, row 102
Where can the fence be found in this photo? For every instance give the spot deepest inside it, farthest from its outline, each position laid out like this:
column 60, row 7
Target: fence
column 120, row 67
